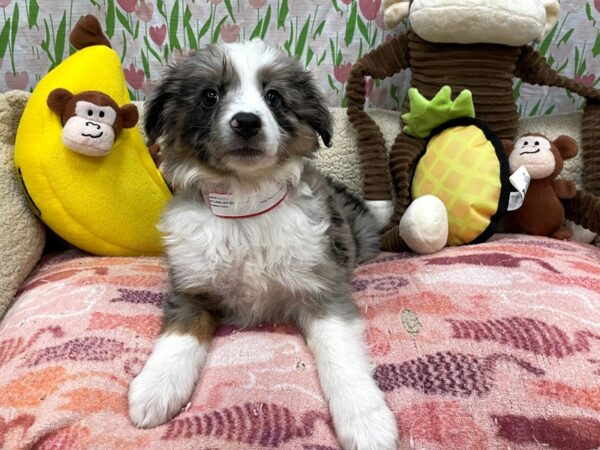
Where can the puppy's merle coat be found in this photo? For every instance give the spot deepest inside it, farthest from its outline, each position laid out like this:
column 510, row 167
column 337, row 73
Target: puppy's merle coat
column 255, row 234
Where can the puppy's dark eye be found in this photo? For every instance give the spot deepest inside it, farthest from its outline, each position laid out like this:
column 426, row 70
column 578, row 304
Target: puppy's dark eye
column 90, row 112
column 210, row 97
column 272, row 98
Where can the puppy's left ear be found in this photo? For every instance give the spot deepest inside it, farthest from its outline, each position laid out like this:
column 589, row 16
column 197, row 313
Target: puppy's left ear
column 315, row 111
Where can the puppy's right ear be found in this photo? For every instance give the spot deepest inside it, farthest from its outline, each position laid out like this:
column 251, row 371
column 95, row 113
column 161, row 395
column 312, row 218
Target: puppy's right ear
column 154, row 112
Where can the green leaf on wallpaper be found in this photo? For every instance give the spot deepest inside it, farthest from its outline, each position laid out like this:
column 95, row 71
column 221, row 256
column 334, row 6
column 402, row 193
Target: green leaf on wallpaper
column 136, row 32
column 362, row 28
column 563, row 66
column 351, row 25
column 166, row 52
column 517, row 89
column 4, row 38
column 59, row 44
column 123, row 21
column 160, row 5
column 550, row 110
column 145, row 65
column 187, row 16
column 596, row 48
column 266, row 23
column 191, row 37
column 319, row 30
column 566, row 37
column 374, row 38
column 217, row 32
column 588, row 13
column 282, row 14
column 205, row 28
column 229, row 10
column 534, row 111
column 332, row 83
column 338, row 58
column 257, row 29
column 309, row 56
column 332, row 48
column 322, row 58
column 582, row 68
column 14, row 26
column 34, row 9
column 124, row 47
column 337, row 8
column 174, row 26
column 576, row 59
column 110, row 18
column 543, row 49
column 288, row 43
column 301, row 43
column 150, row 49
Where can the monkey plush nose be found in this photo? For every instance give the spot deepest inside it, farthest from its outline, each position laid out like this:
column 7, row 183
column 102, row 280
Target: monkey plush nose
column 246, row 125
column 93, row 124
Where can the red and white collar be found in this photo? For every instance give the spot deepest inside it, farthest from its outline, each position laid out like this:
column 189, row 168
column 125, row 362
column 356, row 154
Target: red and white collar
column 222, row 204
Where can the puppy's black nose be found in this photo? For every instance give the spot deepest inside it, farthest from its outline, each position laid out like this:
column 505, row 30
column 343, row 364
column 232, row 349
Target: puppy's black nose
column 246, row 124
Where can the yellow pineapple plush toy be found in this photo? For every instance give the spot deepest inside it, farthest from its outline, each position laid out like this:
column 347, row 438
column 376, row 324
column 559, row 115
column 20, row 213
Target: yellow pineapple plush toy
column 460, row 187
column 84, row 167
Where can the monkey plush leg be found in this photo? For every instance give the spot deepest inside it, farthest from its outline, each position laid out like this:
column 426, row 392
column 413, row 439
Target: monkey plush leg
column 564, row 234
column 405, row 151
column 584, row 210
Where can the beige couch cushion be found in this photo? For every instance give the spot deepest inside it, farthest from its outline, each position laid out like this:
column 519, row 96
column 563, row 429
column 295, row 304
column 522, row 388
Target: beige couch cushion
column 22, row 235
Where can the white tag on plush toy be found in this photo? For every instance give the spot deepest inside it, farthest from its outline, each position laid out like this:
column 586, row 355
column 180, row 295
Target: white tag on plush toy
column 520, row 181
column 223, row 204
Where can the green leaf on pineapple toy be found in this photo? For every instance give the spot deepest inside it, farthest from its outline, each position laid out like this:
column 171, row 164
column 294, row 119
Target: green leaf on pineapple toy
column 425, row 115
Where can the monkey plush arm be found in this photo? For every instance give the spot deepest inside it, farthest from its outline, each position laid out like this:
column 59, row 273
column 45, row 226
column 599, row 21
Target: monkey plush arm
column 564, row 189
column 385, row 61
column 534, row 69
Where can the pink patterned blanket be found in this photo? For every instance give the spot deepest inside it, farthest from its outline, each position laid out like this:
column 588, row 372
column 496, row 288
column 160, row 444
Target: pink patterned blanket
column 493, row 346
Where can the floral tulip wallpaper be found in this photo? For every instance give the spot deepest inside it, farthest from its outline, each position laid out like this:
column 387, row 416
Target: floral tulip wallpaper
column 327, row 36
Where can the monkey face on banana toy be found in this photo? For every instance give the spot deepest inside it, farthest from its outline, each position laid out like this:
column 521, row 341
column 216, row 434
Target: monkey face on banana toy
column 475, row 45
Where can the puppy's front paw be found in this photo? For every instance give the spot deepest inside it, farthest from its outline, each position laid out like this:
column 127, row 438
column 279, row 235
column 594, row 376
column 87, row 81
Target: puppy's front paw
column 156, row 395
column 374, row 429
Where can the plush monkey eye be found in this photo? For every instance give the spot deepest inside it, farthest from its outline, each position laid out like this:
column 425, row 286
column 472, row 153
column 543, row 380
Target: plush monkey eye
column 537, row 142
column 210, row 97
column 525, row 143
column 272, row 97
column 101, row 114
column 90, row 112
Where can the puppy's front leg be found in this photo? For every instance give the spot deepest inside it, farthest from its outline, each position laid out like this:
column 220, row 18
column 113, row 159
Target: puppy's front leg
column 360, row 415
column 167, row 381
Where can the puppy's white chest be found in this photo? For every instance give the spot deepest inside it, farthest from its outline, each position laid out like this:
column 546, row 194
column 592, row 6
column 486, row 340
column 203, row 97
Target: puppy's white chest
column 244, row 258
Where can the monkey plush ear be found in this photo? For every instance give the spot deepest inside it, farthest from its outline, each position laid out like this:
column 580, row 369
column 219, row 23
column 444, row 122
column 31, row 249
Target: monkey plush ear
column 129, row 115
column 567, row 146
column 552, row 12
column 57, row 100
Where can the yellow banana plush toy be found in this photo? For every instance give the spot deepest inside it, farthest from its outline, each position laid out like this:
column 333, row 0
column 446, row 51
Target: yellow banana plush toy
column 83, row 163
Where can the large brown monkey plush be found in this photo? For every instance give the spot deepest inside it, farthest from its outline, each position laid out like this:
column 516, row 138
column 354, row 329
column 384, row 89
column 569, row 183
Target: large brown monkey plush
column 482, row 51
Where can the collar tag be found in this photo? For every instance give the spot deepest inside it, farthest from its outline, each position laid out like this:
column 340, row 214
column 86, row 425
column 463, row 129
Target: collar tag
column 223, row 205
